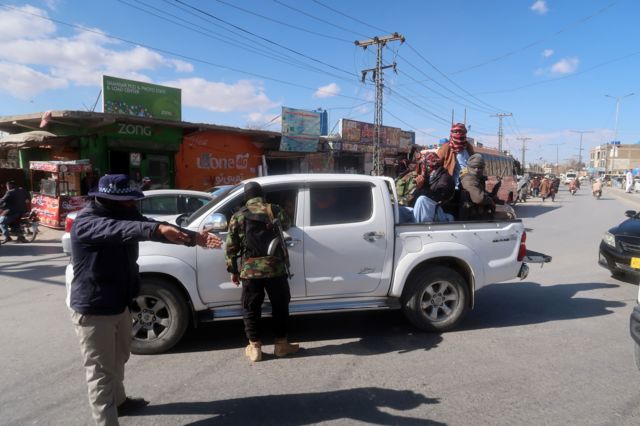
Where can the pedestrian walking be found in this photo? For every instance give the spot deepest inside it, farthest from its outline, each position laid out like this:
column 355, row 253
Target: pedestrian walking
column 251, row 233
column 104, row 244
column 628, row 181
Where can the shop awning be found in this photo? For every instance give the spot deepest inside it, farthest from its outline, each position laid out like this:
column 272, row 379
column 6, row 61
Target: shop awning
column 31, row 139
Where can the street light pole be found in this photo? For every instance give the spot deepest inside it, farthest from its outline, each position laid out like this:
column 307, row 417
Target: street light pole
column 618, row 99
column 557, row 160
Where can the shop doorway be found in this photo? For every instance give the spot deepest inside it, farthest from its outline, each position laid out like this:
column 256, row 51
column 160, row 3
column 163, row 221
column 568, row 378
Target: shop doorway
column 118, row 162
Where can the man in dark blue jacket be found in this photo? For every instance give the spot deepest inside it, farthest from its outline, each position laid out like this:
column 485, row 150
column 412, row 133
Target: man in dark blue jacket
column 12, row 207
column 104, row 245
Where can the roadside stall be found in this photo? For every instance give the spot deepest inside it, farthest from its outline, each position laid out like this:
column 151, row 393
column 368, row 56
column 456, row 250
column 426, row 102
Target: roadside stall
column 56, row 189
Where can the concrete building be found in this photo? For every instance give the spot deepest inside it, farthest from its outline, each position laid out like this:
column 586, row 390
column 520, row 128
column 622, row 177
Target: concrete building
column 614, row 158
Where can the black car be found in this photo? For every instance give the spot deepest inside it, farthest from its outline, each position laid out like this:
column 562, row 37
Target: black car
column 620, row 253
column 620, row 247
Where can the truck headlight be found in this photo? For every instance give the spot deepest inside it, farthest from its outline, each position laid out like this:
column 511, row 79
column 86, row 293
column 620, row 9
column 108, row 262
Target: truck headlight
column 609, row 239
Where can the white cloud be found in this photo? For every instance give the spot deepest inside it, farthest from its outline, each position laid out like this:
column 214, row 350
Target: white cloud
column 540, row 7
column 328, row 91
column 24, row 83
column 245, row 95
column 267, row 121
column 565, row 66
column 31, row 46
column 21, row 23
column 539, row 71
column 547, row 52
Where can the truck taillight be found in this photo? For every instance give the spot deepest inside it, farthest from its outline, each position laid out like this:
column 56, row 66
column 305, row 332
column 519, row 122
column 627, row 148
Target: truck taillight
column 67, row 224
column 522, row 251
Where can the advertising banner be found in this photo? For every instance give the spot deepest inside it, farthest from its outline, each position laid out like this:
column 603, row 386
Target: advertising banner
column 120, row 96
column 300, row 130
column 358, row 136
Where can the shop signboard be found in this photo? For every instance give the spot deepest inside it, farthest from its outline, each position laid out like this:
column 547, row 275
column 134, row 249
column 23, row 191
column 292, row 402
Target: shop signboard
column 120, row 96
column 300, row 130
column 358, row 136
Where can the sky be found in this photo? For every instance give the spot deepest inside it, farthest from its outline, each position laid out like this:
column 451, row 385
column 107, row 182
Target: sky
column 558, row 67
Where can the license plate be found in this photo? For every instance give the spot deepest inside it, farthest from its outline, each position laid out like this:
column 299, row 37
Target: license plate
column 635, row 262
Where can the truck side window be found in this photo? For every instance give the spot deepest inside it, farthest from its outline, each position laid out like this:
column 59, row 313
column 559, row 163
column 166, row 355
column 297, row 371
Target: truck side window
column 341, row 204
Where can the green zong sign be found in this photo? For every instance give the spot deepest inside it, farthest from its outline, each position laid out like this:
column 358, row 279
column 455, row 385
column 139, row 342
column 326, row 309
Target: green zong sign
column 141, row 99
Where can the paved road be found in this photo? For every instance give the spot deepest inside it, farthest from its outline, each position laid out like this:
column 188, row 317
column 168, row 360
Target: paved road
column 553, row 349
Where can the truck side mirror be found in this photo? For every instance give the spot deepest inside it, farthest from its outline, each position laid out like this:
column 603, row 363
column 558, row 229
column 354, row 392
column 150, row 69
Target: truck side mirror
column 217, row 222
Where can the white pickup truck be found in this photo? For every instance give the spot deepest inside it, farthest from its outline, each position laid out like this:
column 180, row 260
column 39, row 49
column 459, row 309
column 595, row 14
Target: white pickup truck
column 352, row 256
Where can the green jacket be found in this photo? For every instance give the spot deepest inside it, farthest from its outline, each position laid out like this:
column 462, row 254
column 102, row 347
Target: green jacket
column 257, row 267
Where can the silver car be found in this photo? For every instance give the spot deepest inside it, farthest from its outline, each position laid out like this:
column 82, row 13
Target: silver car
column 160, row 204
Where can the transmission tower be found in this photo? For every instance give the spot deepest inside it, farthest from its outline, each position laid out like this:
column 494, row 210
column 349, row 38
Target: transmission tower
column 500, row 133
column 378, row 78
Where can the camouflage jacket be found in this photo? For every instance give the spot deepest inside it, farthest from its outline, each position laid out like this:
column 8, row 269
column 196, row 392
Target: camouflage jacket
column 257, row 267
column 406, row 188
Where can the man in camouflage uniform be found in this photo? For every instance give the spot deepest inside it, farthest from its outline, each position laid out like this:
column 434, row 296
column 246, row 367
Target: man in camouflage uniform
column 259, row 274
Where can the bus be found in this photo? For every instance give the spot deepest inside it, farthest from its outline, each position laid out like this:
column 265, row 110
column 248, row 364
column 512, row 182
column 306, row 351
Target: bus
column 503, row 166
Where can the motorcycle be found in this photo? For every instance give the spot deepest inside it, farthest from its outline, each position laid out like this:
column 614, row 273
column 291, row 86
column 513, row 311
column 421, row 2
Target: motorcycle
column 25, row 229
column 597, row 194
column 573, row 191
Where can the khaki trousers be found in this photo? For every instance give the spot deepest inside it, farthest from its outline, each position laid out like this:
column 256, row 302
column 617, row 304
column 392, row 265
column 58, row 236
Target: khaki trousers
column 105, row 344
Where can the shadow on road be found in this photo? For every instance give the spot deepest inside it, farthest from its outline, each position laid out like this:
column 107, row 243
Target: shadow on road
column 359, row 404
column 377, row 332
column 526, row 210
column 36, row 269
column 512, row 304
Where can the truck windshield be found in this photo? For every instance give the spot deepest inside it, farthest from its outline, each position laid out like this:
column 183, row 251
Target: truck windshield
column 218, row 196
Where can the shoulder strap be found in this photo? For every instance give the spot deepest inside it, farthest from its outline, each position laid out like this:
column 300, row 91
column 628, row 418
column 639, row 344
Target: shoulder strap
column 270, row 212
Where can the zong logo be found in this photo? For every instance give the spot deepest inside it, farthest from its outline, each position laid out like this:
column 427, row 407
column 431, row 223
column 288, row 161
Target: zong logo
column 134, row 129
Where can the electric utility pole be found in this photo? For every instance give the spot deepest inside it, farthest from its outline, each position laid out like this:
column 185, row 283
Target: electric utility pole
column 580, row 150
column 524, row 140
column 557, row 157
column 500, row 134
column 378, row 78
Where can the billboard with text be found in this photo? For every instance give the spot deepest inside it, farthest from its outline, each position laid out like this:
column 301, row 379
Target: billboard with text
column 120, row 96
column 300, row 130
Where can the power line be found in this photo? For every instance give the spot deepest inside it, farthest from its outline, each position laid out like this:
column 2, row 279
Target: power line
column 282, row 23
column 274, row 55
column 530, row 45
column 169, row 52
column 324, row 21
column 204, row 12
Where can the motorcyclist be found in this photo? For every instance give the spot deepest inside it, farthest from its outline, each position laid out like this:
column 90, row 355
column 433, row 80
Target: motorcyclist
column 574, row 185
column 596, row 188
column 12, row 207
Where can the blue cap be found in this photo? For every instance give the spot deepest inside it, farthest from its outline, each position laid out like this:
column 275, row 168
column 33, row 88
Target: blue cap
column 116, row 187
column 443, row 140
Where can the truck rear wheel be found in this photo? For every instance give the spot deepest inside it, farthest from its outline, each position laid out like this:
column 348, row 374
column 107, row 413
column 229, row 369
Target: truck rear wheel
column 160, row 316
column 436, row 299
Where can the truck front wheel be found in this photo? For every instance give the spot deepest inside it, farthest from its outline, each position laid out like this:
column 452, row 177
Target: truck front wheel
column 160, row 317
column 436, row 299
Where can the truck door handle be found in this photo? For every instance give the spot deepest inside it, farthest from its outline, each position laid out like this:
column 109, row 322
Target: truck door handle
column 372, row 236
column 291, row 242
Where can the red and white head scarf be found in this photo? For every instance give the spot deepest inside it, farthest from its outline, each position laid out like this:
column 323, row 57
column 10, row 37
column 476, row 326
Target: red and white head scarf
column 431, row 162
column 458, row 137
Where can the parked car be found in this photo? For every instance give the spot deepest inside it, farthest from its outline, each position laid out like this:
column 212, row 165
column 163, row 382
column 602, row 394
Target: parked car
column 160, row 204
column 620, row 247
column 219, row 190
column 570, row 177
column 351, row 254
column 634, row 326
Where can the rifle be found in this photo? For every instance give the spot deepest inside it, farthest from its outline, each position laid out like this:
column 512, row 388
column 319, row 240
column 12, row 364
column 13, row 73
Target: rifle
column 282, row 242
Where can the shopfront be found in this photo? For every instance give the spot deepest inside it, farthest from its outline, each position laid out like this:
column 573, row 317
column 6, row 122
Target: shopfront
column 208, row 158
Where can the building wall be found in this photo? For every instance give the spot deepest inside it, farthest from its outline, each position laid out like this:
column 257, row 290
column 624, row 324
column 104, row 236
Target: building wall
column 206, row 159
